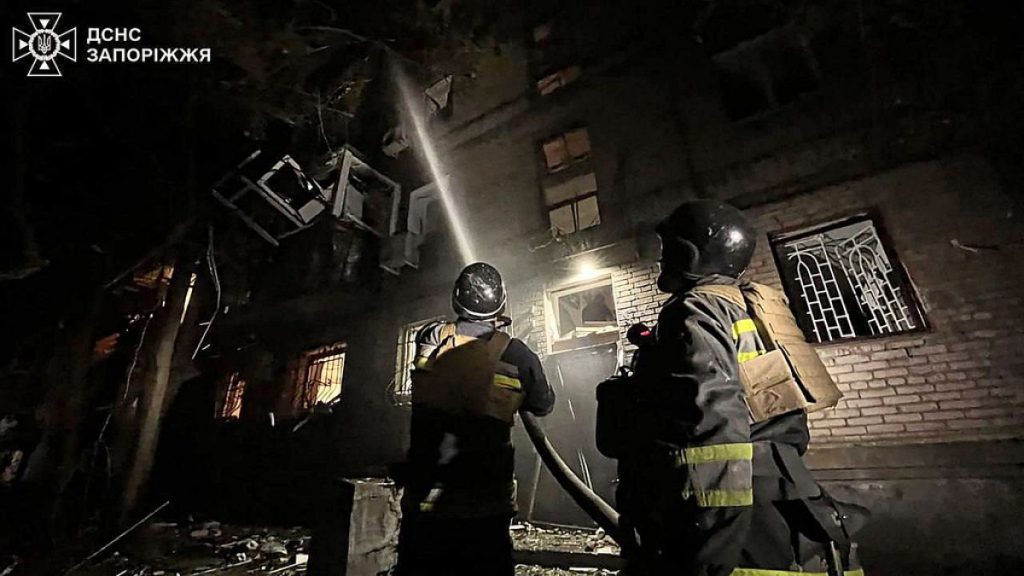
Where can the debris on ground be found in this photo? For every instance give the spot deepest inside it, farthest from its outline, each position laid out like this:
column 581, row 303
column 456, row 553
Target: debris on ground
column 522, row 570
column 195, row 549
column 535, row 538
column 169, row 549
column 527, row 536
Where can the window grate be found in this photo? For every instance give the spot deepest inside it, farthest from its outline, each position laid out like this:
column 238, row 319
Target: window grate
column 870, row 274
column 324, row 373
column 817, row 280
column 231, row 408
column 842, row 283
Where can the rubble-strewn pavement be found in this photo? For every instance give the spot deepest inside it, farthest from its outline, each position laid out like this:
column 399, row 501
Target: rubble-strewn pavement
column 172, row 549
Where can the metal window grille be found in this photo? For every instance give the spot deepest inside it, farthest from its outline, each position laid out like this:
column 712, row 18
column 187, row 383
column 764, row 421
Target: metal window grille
column 233, row 393
column 324, row 373
column 820, row 290
column 401, row 385
column 870, row 275
column 844, row 284
column 402, row 390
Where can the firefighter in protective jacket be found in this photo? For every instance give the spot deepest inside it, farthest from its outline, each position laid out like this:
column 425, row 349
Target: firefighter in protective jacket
column 709, row 490
column 469, row 380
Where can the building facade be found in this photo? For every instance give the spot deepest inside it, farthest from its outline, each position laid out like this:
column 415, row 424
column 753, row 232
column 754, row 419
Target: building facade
column 896, row 238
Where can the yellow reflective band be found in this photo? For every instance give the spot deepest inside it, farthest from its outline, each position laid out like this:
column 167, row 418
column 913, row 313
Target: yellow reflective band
column 742, row 327
column 745, row 356
column 759, row 572
column 507, row 382
column 421, row 362
column 719, row 453
column 723, row 498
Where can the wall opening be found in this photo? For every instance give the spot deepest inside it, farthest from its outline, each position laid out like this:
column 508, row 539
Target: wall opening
column 582, row 315
column 320, row 380
column 400, row 391
column 230, row 407
column 569, row 183
column 843, row 281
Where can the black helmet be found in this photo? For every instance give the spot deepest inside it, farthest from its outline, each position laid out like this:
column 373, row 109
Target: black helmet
column 702, row 238
column 479, row 292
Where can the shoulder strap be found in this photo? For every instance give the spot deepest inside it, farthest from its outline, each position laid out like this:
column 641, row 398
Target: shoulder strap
column 497, row 345
column 447, row 333
column 729, row 293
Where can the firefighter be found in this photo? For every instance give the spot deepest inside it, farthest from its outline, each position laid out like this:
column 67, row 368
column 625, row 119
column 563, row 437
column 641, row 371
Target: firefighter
column 469, row 380
column 708, row 490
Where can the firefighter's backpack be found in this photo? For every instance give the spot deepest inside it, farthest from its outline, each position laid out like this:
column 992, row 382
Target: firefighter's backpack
column 789, row 375
column 466, row 377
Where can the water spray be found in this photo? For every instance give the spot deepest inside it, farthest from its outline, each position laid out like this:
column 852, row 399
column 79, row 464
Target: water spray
column 581, row 492
column 414, row 108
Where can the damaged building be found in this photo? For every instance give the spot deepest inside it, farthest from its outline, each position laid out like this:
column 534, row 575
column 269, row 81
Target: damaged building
column 243, row 356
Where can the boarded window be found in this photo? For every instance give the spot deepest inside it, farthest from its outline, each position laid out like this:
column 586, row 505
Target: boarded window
column 570, row 187
column 565, row 149
column 843, row 281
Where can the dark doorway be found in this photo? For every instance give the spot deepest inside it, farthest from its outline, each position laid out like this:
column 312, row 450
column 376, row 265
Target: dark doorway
column 570, row 427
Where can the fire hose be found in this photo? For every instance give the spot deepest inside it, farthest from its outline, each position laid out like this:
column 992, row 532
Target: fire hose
column 594, row 506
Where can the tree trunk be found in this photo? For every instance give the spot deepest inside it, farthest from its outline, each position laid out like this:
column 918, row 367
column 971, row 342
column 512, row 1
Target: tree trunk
column 165, row 327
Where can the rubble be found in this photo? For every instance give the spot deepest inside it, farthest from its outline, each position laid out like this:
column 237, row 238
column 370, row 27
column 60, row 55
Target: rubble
column 170, row 549
column 522, row 570
column 527, row 536
column 562, row 542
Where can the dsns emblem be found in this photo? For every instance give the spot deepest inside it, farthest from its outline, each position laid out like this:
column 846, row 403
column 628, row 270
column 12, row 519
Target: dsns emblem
column 44, row 44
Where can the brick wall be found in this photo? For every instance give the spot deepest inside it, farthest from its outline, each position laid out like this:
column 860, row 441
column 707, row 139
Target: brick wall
column 959, row 380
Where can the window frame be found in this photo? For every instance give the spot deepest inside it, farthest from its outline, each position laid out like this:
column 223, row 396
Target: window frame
column 554, row 62
column 574, row 168
column 406, row 354
column 233, row 381
column 873, row 215
column 597, row 337
column 780, row 39
column 306, row 398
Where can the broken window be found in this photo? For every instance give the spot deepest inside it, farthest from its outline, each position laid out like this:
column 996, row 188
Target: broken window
column 323, row 374
column 583, row 315
column 439, row 97
column 558, row 79
column 768, row 71
column 275, row 200
column 570, row 186
column 554, row 54
column 401, row 389
column 365, row 198
column 280, row 199
column 843, row 282
column 564, row 149
column 234, row 390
